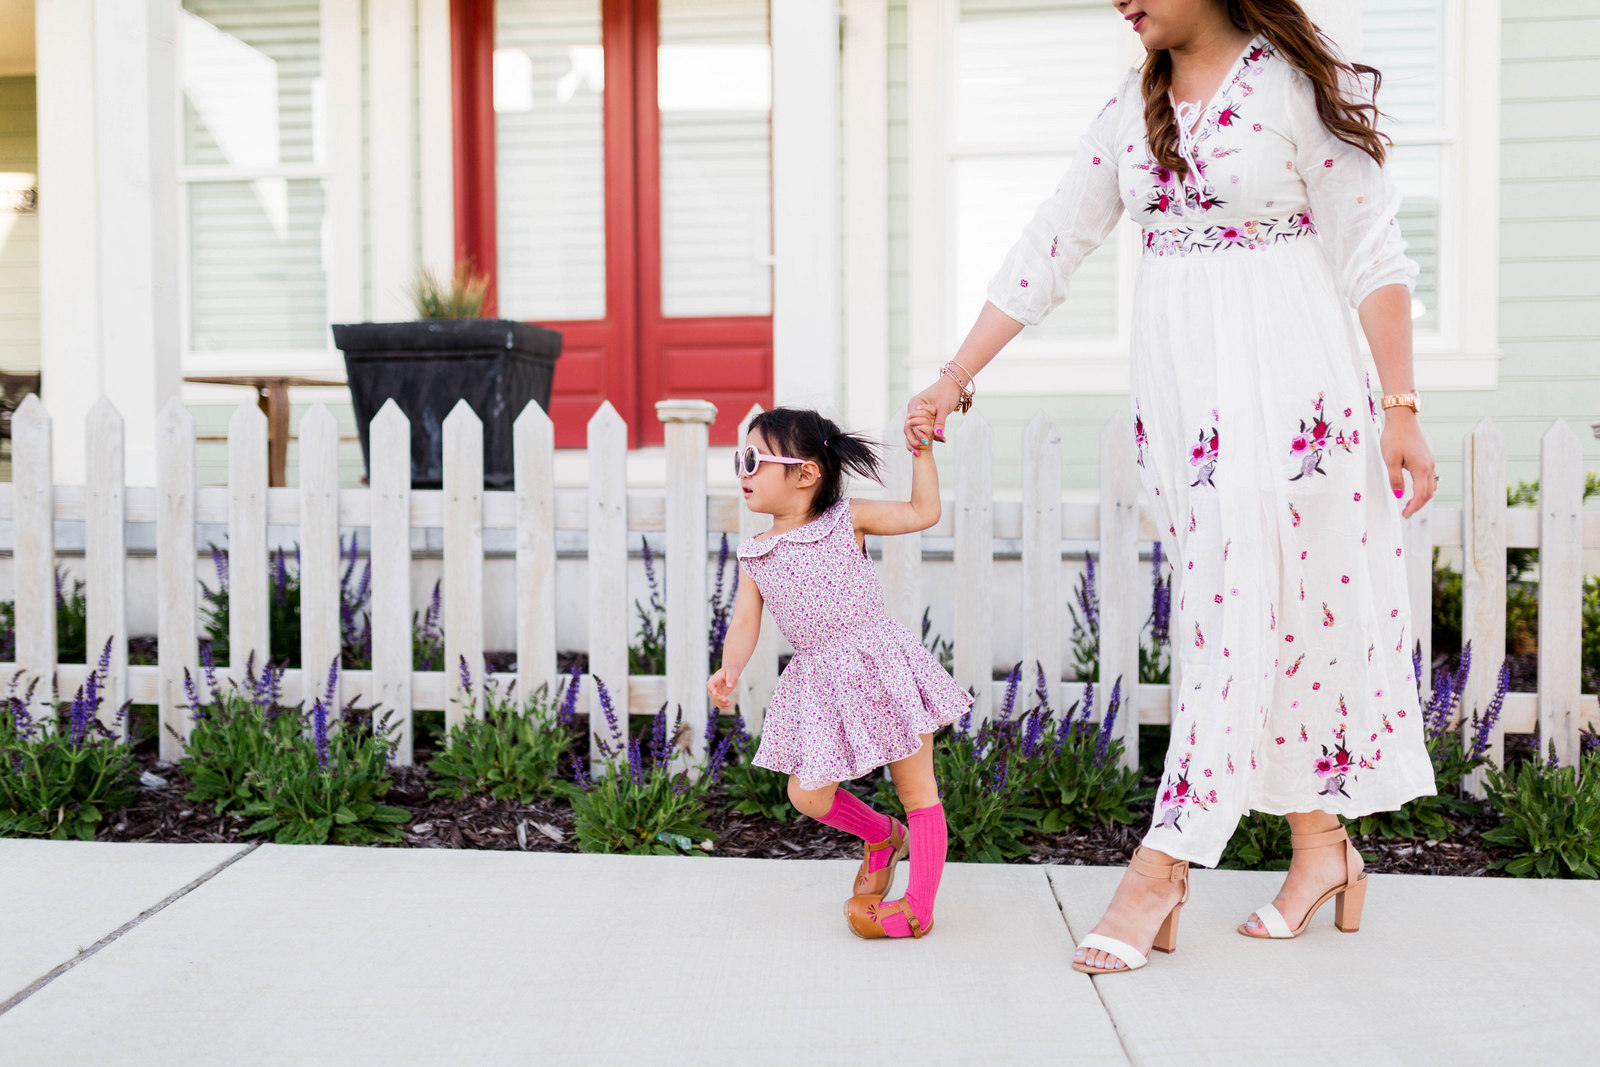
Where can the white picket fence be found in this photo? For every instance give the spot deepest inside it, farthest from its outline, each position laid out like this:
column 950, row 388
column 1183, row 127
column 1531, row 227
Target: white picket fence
column 687, row 512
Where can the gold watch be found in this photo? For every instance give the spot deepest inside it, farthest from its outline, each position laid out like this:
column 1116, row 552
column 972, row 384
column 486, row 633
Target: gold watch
column 1403, row 400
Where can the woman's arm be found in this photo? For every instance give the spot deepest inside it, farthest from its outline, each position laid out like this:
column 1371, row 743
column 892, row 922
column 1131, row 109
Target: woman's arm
column 1386, row 320
column 889, row 517
column 739, row 643
column 928, row 409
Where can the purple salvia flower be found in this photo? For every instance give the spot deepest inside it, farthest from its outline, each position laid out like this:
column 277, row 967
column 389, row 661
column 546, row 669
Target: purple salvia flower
column 364, row 590
column 1089, row 597
column 319, row 724
column 658, row 736
column 1484, row 725
column 569, row 698
column 208, row 663
column 635, row 762
column 466, row 675
column 430, row 618
column 718, row 760
column 219, row 560
column 1012, row 680
column 1416, row 666
column 1041, row 688
column 332, row 683
column 1109, row 722
column 1002, row 772
column 1088, row 702
column 1032, row 731
column 580, row 774
column 79, row 721
column 192, row 694
column 610, row 712
column 649, row 567
column 280, row 580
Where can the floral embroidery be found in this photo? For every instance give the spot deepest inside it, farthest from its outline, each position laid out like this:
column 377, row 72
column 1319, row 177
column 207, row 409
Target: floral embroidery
column 1248, row 236
column 1139, row 438
column 1310, row 443
column 1203, row 457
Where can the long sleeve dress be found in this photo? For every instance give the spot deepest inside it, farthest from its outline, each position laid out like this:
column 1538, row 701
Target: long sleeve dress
column 1292, row 637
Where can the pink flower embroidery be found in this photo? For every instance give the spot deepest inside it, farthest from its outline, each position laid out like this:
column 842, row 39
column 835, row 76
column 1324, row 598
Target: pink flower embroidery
column 1324, row 767
column 1024, row 283
column 1298, row 445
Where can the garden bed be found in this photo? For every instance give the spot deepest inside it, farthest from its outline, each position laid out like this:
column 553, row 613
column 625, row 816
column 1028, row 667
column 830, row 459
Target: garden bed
column 162, row 814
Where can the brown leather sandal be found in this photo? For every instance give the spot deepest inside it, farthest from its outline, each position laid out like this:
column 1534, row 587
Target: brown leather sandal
column 864, row 915
column 878, row 883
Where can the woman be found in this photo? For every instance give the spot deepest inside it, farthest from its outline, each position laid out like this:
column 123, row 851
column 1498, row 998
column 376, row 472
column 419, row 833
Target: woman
column 1247, row 150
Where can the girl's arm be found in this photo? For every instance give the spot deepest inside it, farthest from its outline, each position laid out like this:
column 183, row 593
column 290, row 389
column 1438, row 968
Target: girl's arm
column 739, row 643
column 888, row 517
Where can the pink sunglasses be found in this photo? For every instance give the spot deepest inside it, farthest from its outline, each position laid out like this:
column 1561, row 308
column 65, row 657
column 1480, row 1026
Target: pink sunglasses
column 746, row 460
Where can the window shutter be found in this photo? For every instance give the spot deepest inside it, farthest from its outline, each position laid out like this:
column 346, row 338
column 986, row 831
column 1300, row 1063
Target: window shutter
column 251, row 103
column 1031, row 75
column 549, row 86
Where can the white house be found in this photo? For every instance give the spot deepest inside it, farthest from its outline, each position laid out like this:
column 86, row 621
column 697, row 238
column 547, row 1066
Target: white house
column 742, row 200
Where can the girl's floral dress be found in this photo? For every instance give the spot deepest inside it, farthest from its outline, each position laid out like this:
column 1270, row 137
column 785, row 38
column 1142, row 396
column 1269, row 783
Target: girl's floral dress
column 1256, row 434
column 861, row 689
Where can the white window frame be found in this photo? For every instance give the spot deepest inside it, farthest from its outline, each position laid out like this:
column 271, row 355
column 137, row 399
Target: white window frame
column 341, row 175
column 1462, row 353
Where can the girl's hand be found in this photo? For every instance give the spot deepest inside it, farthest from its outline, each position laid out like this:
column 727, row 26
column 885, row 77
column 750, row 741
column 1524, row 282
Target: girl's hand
column 1405, row 449
column 926, row 412
column 721, row 686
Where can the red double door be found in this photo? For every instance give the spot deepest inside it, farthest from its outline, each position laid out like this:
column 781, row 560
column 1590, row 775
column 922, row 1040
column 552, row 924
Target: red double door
column 634, row 347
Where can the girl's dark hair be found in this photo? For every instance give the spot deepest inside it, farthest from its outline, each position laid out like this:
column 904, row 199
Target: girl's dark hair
column 804, row 434
column 1298, row 41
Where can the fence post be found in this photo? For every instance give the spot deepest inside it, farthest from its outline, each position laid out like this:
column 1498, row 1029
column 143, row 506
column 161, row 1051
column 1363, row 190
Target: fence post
column 1560, row 591
column 688, row 621
column 1120, row 614
column 974, row 560
column 246, row 577
column 106, row 554
column 463, row 561
column 760, row 676
column 1041, row 555
column 175, row 570
column 34, row 544
column 608, row 570
column 533, row 448
column 392, row 654
column 320, row 636
column 1483, row 581
column 902, row 555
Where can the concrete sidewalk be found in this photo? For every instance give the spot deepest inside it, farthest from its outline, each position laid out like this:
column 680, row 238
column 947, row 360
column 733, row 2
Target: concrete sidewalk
column 162, row 954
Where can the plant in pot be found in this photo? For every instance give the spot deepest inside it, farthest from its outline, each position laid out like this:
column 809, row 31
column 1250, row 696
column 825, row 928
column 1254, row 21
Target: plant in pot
column 450, row 353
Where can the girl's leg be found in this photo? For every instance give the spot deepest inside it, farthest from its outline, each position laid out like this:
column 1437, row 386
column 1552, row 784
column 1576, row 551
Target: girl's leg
column 914, row 781
column 1312, row 872
column 843, row 810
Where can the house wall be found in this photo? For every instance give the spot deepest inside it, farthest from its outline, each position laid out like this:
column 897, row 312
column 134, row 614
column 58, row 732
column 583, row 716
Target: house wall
column 19, row 234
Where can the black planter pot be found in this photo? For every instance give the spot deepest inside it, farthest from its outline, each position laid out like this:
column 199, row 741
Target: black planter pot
column 495, row 365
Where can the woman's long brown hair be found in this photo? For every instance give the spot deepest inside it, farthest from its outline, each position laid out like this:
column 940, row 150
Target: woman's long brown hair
column 1298, row 42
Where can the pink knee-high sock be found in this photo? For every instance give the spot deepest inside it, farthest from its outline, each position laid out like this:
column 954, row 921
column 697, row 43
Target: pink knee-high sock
column 852, row 815
column 928, row 840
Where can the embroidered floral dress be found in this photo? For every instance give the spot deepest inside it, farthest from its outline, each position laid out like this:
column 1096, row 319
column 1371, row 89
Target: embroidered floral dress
column 1257, row 440
column 861, row 688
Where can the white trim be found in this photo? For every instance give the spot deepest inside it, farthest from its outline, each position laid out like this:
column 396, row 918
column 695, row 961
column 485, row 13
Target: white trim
column 69, row 246
column 306, row 363
column 866, row 212
column 341, row 228
column 1479, row 271
column 436, row 177
column 929, row 24
column 805, row 204
column 391, row 124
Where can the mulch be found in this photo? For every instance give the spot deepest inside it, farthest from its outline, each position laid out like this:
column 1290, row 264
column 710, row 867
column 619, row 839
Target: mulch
column 160, row 813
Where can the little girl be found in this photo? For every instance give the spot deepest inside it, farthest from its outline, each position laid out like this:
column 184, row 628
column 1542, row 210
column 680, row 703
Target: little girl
column 861, row 691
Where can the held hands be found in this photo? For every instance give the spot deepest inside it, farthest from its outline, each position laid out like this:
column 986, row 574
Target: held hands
column 721, row 686
column 1405, row 449
column 926, row 412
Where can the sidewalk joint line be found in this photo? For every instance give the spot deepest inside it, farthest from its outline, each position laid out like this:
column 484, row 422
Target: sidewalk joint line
column 1110, row 1016
column 177, row 894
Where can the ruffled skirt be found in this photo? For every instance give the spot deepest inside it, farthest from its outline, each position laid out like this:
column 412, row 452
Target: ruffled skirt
column 855, row 704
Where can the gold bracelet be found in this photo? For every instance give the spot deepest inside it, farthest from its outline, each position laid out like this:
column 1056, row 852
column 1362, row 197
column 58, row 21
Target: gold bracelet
column 1406, row 400
column 964, row 401
column 971, row 378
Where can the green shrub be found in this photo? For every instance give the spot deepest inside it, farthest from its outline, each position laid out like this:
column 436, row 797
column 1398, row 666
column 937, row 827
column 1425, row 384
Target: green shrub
column 1259, row 843
column 641, row 804
column 59, row 773
column 1551, row 818
column 754, row 790
column 304, row 778
column 1084, row 783
column 459, row 297
column 989, row 781
column 72, row 623
column 513, row 750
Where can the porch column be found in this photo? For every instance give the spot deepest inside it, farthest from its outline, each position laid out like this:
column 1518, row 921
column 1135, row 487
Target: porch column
column 108, row 221
column 806, row 356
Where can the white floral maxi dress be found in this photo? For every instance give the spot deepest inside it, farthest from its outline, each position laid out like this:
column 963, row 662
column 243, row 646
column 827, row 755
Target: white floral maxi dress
column 1257, row 440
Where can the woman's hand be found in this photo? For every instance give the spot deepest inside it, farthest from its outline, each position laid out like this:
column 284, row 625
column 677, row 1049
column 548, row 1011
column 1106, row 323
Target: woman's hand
column 1405, row 449
column 926, row 412
column 721, row 686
